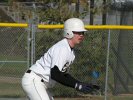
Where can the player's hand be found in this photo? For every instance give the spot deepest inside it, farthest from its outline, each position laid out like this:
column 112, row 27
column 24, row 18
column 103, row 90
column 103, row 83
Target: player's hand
column 83, row 87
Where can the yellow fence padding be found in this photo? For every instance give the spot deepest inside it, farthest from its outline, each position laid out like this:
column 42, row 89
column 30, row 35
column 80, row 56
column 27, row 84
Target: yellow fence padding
column 60, row 26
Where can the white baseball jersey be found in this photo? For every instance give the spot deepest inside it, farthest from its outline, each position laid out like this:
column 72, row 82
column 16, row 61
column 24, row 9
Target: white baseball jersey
column 60, row 55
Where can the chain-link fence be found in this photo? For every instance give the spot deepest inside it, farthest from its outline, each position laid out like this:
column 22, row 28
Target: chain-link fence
column 13, row 60
column 104, row 57
column 90, row 62
column 121, row 57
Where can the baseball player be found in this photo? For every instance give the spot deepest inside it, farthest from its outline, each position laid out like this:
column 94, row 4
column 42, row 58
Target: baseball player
column 54, row 65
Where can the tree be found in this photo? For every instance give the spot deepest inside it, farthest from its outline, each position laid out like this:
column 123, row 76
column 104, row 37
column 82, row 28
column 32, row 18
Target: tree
column 91, row 11
column 4, row 1
column 104, row 13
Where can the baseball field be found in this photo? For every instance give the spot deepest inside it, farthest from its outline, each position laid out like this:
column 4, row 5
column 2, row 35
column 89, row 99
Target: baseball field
column 10, row 87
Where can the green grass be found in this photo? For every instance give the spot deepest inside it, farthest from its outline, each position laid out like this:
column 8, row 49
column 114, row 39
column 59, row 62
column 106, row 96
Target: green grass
column 13, row 69
column 11, row 88
column 10, row 76
column 12, row 57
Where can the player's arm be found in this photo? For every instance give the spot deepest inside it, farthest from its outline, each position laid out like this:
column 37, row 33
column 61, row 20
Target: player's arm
column 68, row 80
column 63, row 78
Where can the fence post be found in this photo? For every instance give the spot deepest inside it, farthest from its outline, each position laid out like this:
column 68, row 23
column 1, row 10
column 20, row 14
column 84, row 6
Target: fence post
column 34, row 30
column 33, row 43
column 29, row 39
column 107, row 66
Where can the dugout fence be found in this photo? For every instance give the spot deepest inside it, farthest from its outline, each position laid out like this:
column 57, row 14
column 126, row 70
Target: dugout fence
column 105, row 57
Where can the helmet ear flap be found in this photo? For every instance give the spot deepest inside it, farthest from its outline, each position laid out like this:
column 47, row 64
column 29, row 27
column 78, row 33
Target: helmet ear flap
column 68, row 34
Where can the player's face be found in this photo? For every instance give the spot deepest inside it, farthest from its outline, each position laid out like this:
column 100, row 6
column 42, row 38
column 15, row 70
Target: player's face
column 78, row 37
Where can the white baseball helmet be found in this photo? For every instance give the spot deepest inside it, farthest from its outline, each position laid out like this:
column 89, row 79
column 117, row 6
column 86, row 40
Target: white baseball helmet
column 73, row 24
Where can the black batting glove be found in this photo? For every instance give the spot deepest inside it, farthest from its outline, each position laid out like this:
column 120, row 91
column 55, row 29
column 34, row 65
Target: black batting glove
column 83, row 87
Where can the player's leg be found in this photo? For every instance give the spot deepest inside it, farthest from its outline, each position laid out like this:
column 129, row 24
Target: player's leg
column 42, row 90
column 34, row 88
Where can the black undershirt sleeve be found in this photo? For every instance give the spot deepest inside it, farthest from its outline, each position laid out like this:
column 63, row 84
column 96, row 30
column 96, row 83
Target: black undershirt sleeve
column 63, row 78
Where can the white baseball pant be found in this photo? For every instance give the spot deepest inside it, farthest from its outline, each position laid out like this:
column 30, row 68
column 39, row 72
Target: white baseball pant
column 34, row 88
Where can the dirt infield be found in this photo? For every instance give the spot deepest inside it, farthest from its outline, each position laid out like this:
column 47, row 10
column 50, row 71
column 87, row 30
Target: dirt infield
column 9, row 79
column 120, row 97
column 10, row 87
column 54, row 99
column 13, row 99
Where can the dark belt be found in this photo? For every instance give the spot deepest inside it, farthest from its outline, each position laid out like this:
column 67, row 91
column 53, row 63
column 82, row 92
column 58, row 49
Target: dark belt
column 29, row 71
